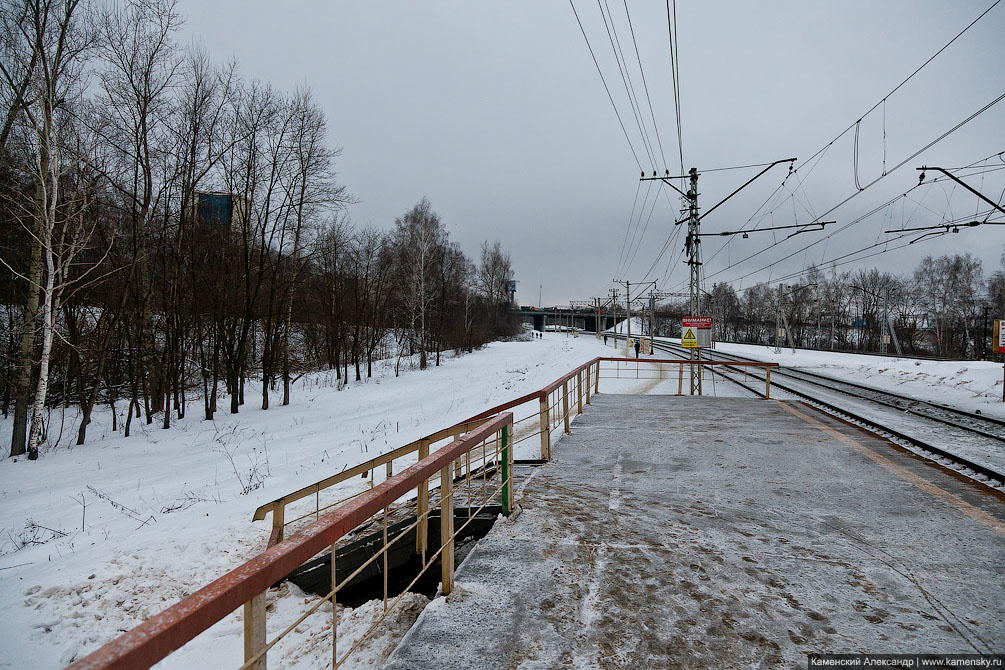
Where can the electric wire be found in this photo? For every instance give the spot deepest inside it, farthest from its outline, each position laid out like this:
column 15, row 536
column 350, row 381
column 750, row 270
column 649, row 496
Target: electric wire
column 645, row 85
column 630, row 217
column 633, row 223
column 845, row 259
column 856, row 125
column 675, row 75
column 626, row 79
column 864, row 188
column 606, row 87
column 641, row 237
column 909, row 77
column 819, row 154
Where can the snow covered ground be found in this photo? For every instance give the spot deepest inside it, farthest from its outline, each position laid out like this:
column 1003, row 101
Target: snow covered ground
column 96, row 538
column 969, row 385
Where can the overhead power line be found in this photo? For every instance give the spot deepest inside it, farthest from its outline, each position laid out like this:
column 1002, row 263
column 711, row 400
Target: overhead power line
column 645, row 85
column 626, row 78
column 675, row 75
column 818, row 155
column 606, row 87
column 909, row 77
column 856, row 193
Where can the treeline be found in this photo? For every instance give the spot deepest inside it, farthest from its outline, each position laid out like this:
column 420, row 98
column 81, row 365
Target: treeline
column 171, row 230
column 944, row 308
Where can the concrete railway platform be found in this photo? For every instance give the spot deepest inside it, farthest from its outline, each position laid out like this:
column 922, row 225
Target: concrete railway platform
column 686, row 532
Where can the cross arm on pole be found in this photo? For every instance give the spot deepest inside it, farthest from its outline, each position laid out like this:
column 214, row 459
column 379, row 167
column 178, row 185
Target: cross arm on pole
column 745, row 185
column 665, row 180
column 804, row 228
column 961, row 183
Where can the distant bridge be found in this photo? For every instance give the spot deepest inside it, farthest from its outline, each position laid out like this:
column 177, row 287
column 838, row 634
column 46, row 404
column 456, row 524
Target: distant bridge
column 581, row 318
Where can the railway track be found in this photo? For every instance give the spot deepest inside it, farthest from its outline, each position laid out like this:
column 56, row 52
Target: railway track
column 960, row 423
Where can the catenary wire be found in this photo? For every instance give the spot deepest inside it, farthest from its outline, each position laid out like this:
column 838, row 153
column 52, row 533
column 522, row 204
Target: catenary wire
column 606, row 87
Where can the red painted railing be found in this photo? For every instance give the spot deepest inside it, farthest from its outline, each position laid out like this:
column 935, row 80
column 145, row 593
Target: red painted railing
column 158, row 636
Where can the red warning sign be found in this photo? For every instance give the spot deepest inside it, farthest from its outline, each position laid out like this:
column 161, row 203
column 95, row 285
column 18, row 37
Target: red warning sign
column 696, row 332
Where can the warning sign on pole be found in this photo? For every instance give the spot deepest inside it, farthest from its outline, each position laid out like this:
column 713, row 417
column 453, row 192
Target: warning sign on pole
column 696, row 332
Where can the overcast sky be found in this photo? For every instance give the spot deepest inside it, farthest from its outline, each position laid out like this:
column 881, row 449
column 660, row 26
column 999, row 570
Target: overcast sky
column 496, row 113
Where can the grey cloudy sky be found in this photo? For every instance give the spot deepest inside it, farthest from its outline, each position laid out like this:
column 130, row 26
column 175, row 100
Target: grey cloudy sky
column 496, row 113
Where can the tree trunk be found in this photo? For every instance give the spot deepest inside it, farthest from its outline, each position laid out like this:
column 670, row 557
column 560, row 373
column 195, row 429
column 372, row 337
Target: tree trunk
column 27, row 358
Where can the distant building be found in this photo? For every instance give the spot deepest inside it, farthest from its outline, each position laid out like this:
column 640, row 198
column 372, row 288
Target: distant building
column 220, row 210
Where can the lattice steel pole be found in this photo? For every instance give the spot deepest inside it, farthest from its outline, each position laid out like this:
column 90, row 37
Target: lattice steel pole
column 693, row 248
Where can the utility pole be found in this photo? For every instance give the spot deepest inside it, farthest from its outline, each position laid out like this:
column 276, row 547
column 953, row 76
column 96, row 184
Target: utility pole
column 692, row 245
column 782, row 320
column 614, row 314
column 652, row 323
column 628, row 308
column 628, row 304
column 654, row 295
column 819, row 341
column 778, row 322
column 883, row 334
column 693, row 242
column 891, row 329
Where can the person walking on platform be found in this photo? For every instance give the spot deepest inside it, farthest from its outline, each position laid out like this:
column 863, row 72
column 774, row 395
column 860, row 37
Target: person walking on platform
column 605, row 340
column 638, row 343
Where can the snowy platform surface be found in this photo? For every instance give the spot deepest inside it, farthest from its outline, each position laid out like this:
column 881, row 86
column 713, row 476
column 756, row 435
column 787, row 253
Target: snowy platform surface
column 723, row 532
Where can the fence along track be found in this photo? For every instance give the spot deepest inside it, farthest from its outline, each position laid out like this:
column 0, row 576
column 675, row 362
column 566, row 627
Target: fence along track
column 987, row 426
column 989, row 472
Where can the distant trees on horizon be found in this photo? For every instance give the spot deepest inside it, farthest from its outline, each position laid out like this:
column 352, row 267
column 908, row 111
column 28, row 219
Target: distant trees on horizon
column 944, row 308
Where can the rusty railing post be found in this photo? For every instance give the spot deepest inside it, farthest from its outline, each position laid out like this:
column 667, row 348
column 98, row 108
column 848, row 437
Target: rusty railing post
column 278, row 520
column 507, row 471
column 447, row 528
column 334, row 613
column 254, row 630
column 565, row 405
column 422, row 502
column 767, row 383
column 545, row 428
column 579, row 392
column 680, row 379
column 596, row 379
column 588, row 384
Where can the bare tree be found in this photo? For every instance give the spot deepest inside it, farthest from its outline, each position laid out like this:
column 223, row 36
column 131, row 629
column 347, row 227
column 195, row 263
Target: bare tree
column 311, row 189
column 418, row 237
column 141, row 61
column 56, row 36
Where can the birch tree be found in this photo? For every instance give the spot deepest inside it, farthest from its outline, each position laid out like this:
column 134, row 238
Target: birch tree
column 54, row 37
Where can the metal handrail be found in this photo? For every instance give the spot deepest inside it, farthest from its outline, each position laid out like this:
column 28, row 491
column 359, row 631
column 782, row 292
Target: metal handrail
column 277, row 507
column 158, row 636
